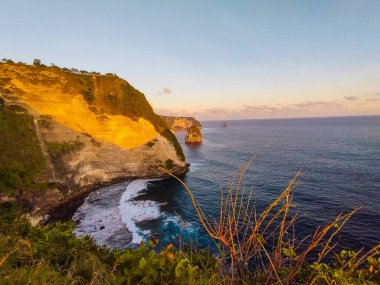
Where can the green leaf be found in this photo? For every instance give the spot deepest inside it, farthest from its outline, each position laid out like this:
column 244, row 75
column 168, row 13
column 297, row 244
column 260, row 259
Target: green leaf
column 142, row 263
column 178, row 271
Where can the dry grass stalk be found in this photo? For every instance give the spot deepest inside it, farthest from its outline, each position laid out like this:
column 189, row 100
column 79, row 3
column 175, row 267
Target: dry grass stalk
column 22, row 245
column 265, row 239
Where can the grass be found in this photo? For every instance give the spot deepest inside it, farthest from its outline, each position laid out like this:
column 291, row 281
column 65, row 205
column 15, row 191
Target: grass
column 261, row 247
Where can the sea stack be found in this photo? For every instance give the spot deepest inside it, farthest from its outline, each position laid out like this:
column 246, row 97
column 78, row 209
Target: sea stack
column 193, row 136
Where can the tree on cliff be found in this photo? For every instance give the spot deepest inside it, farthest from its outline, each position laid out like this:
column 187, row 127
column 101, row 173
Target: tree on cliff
column 37, row 62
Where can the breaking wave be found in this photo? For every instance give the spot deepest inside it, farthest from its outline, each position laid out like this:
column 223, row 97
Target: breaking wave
column 134, row 211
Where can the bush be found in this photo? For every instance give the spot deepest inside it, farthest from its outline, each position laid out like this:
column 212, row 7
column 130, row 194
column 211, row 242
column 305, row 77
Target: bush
column 48, row 255
column 58, row 149
column 37, row 62
column 145, row 266
column 169, row 164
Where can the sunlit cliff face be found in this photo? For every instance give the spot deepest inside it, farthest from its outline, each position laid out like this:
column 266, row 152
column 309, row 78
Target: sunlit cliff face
column 71, row 109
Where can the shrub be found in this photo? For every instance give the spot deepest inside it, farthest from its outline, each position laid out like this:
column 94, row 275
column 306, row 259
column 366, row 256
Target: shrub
column 169, row 164
column 151, row 143
column 50, row 254
column 37, row 62
column 57, row 149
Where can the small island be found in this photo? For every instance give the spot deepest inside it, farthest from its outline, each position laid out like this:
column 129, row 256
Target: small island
column 193, row 136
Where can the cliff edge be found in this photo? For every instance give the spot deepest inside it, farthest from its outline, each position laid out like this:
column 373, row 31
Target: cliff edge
column 90, row 129
column 181, row 123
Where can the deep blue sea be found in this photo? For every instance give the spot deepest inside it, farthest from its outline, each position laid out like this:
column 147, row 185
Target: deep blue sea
column 339, row 159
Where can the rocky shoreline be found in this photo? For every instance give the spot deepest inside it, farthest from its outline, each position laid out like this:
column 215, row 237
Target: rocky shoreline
column 66, row 208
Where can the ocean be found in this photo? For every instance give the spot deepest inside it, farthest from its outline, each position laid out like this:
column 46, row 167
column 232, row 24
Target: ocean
column 339, row 159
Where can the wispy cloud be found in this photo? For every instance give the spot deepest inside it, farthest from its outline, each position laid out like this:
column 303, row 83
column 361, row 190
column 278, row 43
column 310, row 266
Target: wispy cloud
column 165, row 90
column 351, row 98
column 315, row 104
column 258, row 108
column 261, row 109
column 221, row 113
column 297, row 109
column 373, row 97
column 217, row 110
column 176, row 113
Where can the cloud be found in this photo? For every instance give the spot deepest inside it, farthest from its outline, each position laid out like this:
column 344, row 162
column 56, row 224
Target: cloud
column 165, row 90
column 373, row 97
column 219, row 113
column 258, row 109
column 302, row 108
column 176, row 113
column 315, row 104
column 351, row 98
column 217, row 110
column 283, row 109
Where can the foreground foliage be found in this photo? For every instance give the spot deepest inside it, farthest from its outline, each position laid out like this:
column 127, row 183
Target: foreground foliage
column 263, row 247
column 53, row 255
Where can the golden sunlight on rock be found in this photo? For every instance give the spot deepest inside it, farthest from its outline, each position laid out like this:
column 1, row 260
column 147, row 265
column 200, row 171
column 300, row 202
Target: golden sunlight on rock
column 72, row 111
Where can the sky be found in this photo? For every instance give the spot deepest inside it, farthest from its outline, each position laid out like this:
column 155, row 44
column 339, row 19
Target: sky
column 215, row 60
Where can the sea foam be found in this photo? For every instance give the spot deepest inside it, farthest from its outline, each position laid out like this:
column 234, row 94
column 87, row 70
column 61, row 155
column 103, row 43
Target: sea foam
column 99, row 217
column 133, row 212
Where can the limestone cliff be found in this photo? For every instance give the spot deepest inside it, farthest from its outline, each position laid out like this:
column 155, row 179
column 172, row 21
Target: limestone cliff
column 193, row 135
column 92, row 129
column 181, row 123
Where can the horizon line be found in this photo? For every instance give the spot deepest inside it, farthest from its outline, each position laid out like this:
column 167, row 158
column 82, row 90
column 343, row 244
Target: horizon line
column 292, row 118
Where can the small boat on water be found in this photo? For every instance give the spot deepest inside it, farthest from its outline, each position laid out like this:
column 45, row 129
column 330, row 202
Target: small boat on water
column 223, row 125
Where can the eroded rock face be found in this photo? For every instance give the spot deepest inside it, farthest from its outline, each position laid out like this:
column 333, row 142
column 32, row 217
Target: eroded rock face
column 193, row 135
column 97, row 162
column 93, row 130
